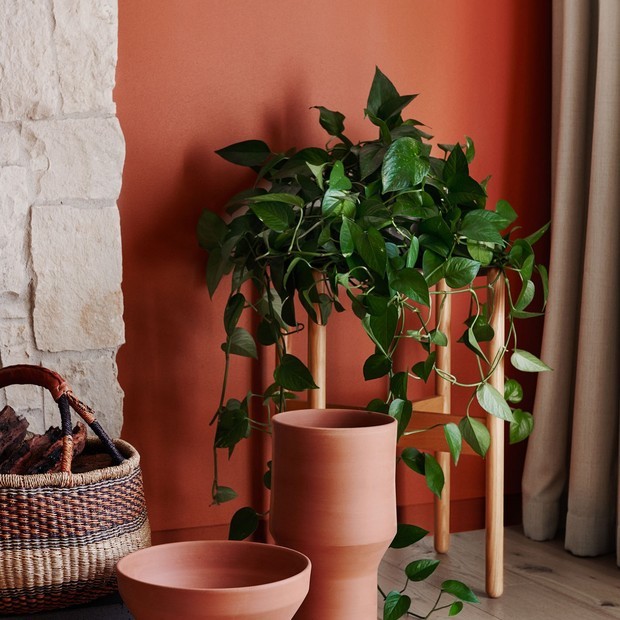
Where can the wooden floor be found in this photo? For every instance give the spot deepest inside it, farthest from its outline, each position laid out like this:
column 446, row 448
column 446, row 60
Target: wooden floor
column 542, row 581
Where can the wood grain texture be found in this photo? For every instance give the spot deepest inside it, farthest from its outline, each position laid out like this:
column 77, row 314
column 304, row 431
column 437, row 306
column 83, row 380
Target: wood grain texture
column 542, row 580
column 495, row 455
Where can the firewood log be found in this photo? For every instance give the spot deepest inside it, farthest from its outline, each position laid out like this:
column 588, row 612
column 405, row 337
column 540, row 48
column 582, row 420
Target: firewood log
column 13, row 430
column 42, row 453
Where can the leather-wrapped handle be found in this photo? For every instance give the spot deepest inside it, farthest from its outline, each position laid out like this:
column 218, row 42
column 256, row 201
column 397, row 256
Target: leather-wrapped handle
column 26, row 374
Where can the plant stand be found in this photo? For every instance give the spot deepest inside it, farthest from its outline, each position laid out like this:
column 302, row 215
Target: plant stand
column 437, row 410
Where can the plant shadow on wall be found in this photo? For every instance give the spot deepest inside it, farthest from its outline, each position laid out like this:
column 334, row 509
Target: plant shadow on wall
column 393, row 229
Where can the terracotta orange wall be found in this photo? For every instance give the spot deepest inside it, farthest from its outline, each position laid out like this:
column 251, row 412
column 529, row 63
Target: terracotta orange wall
column 194, row 76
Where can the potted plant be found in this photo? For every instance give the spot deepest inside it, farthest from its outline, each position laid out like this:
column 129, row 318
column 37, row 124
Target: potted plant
column 372, row 226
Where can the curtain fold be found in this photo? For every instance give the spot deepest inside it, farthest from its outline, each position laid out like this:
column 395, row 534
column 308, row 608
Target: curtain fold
column 571, row 469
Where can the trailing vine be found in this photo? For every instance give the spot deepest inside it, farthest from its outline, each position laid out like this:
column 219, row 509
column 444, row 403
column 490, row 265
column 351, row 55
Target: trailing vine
column 388, row 229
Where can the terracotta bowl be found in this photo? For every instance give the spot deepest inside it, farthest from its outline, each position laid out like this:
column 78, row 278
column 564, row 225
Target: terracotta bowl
column 214, row 580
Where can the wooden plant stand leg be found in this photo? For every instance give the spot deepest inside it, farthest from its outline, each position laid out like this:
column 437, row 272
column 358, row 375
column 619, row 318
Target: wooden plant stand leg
column 317, row 343
column 317, row 356
column 495, row 455
column 443, row 389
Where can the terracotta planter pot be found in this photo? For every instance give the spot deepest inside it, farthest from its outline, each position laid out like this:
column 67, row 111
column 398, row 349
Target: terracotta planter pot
column 334, row 499
column 214, row 580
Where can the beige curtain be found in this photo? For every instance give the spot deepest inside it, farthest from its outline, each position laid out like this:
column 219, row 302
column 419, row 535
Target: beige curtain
column 571, row 469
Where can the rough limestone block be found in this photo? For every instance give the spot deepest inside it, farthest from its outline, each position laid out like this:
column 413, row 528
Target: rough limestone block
column 76, row 158
column 76, row 256
column 85, row 38
column 10, row 149
column 14, row 306
column 17, row 342
column 27, row 61
column 17, row 347
column 94, row 382
column 14, row 212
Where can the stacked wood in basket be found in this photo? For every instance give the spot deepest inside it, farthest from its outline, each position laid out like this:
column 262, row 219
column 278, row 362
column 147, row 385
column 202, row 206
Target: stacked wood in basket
column 22, row 452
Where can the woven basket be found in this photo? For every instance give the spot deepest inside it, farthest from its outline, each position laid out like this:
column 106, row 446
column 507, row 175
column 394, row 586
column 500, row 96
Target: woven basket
column 61, row 534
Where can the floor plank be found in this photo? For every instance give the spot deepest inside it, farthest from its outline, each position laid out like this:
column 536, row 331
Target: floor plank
column 542, row 580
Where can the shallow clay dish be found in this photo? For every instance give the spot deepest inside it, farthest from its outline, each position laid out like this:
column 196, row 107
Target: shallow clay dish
column 214, row 580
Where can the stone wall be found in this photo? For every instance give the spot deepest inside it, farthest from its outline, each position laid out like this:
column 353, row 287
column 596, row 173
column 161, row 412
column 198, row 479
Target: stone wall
column 61, row 161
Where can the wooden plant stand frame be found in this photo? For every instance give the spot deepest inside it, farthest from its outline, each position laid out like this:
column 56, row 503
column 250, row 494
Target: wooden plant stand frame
column 437, row 410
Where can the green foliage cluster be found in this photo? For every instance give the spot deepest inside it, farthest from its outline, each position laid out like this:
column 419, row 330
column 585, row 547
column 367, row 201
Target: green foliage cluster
column 389, row 228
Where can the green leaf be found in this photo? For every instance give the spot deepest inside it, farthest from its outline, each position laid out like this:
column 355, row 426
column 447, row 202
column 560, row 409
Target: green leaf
column 338, row 202
column 382, row 327
column 370, row 245
column 456, row 165
column 337, row 177
column 433, row 267
column 377, row 365
column 424, row 369
column 522, row 425
column 470, row 149
column 217, row 265
column 411, row 283
column 346, row 238
column 506, row 212
column 460, row 590
column 493, row 402
column 405, row 165
column 480, row 252
column 464, row 190
column 460, row 271
column 243, row 524
column 434, row 474
column 390, row 111
column 521, row 257
column 396, row 605
column 240, row 342
column 513, row 392
column 292, row 374
column 223, row 494
column 381, row 91
column 398, row 385
column 454, row 440
column 233, row 425
column 317, row 171
column 455, row 609
column 475, row 433
column 526, row 295
column 413, row 459
column 377, row 405
column 526, row 362
column 419, row 570
column 384, row 130
column 247, row 153
column 211, row 230
column 544, row 278
column 232, row 312
column 439, row 338
column 534, row 237
column 371, row 157
column 401, row 410
column 290, row 199
column 412, row 252
column 267, row 476
column 478, row 225
column 524, row 314
column 376, row 305
column 332, row 122
column 469, row 339
column 407, row 535
column 275, row 215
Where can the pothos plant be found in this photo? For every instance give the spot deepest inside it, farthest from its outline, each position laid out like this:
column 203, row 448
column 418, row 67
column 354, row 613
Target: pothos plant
column 370, row 227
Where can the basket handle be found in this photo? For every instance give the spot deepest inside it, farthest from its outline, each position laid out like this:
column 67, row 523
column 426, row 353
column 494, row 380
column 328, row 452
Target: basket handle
column 26, row 374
